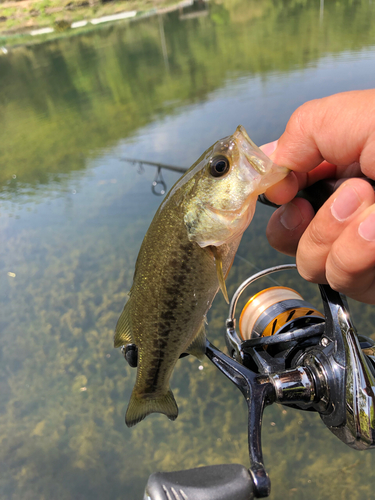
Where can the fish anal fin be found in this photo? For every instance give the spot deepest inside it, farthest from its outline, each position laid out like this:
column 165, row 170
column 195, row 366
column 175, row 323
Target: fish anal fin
column 198, row 347
column 219, row 271
column 141, row 406
column 123, row 328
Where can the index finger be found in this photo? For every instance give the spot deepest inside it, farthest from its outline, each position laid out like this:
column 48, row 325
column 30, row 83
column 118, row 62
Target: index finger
column 339, row 129
column 324, row 133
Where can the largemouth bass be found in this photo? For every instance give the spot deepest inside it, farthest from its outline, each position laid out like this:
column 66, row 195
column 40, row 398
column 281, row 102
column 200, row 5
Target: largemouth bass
column 183, row 261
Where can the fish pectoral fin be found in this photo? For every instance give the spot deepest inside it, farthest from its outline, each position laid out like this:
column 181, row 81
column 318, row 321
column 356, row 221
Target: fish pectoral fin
column 219, row 271
column 198, row 347
column 140, row 407
column 123, row 328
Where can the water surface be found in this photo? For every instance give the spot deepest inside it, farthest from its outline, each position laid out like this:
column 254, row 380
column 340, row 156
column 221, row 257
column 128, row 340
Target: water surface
column 73, row 216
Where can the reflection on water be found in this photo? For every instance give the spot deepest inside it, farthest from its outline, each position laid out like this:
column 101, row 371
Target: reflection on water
column 73, row 217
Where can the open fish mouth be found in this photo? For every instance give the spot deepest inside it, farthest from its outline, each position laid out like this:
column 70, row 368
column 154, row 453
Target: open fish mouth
column 255, row 157
column 260, row 167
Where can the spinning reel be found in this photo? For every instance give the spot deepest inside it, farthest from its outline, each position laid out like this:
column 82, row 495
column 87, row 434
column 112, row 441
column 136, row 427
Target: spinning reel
column 286, row 352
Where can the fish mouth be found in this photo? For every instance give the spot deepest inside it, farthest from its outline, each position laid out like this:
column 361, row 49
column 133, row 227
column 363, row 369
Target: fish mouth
column 259, row 165
column 255, row 156
column 241, row 131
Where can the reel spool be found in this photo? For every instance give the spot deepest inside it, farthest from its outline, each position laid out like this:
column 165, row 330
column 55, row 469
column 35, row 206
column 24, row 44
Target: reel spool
column 276, row 310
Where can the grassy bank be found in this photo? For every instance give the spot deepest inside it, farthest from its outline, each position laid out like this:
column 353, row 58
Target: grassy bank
column 24, row 16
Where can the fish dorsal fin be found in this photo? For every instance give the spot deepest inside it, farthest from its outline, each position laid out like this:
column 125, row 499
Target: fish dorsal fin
column 123, row 328
column 198, row 347
column 219, row 271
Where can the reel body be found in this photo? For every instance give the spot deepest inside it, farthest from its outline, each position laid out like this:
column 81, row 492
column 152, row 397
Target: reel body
column 315, row 363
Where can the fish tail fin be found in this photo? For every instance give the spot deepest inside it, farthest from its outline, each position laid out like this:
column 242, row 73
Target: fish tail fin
column 140, row 407
column 123, row 328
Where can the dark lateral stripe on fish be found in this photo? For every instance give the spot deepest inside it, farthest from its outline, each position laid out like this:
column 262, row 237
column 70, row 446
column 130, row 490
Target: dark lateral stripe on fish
column 154, row 373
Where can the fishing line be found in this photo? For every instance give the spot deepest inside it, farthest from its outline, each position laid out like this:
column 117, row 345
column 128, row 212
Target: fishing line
column 257, row 268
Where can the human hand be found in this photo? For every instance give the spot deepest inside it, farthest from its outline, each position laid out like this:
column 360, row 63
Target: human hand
column 332, row 137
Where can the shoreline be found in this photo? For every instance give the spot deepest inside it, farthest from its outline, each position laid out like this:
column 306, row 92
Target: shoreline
column 62, row 20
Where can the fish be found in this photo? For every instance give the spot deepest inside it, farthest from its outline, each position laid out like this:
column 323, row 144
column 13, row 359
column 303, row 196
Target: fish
column 184, row 260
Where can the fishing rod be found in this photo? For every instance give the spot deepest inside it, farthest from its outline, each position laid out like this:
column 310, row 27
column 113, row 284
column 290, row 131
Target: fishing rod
column 282, row 350
column 316, row 194
column 158, row 185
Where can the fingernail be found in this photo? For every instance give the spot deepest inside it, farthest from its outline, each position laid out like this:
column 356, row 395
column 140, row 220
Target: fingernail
column 366, row 229
column 291, row 216
column 269, row 148
column 345, row 204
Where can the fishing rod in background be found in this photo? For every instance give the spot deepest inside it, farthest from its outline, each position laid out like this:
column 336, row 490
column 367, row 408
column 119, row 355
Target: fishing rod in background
column 316, row 194
column 158, row 186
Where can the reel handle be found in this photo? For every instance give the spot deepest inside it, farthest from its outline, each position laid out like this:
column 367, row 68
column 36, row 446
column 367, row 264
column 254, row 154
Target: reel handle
column 216, row 482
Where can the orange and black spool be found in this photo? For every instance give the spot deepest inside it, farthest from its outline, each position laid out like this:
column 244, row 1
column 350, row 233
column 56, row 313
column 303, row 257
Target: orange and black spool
column 275, row 310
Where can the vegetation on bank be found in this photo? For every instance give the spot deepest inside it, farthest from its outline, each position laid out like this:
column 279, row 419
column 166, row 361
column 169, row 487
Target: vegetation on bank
column 23, row 16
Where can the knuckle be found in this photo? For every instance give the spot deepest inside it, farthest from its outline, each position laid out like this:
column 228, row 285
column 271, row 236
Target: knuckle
column 310, row 270
column 299, row 119
column 338, row 270
column 342, row 277
column 307, row 275
column 315, row 236
column 303, row 120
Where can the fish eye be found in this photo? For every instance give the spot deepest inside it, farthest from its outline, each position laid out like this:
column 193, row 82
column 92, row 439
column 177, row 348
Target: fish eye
column 219, row 166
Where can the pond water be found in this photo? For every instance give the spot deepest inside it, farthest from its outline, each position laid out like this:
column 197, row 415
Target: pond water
column 73, row 215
